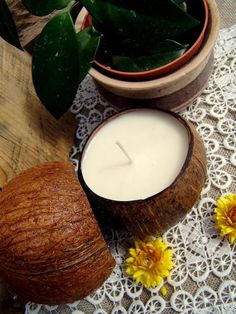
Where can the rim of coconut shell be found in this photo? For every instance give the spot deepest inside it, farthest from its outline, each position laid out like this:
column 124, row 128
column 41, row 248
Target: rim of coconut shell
column 182, row 170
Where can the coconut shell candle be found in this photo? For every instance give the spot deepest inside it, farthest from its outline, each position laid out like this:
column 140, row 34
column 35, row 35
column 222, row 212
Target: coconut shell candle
column 51, row 248
column 145, row 168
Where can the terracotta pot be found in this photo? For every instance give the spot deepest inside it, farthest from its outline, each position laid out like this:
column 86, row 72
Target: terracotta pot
column 182, row 86
column 155, row 214
column 163, row 70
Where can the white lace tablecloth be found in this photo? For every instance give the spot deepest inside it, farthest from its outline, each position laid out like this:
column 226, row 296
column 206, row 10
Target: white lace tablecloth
column 204, row 278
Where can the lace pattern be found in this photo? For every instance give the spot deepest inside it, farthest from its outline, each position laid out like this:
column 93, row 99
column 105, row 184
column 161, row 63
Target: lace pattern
column 203, row 280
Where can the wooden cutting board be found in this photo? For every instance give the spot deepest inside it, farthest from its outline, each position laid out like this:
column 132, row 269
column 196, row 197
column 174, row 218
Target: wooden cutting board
column 28, row 133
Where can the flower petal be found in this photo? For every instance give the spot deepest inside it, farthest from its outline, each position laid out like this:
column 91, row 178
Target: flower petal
column 224, row 213
column 149, row 262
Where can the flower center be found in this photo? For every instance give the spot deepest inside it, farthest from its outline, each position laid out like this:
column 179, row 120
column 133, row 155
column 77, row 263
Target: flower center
column 147, row 259
column 232, row 214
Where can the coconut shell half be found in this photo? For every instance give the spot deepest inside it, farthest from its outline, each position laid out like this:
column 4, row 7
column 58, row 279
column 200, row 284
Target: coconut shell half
column 156, row 214
column 51, row 248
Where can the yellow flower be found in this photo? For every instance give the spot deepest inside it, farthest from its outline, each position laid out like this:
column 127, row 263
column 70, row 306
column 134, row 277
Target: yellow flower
column 225, row 216
column 164, row 291
column 149, row 262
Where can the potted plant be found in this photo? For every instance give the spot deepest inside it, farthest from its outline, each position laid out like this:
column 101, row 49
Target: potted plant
column 145, row 43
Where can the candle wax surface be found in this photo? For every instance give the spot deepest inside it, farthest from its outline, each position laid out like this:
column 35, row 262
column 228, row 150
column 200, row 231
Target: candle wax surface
column 156, row 142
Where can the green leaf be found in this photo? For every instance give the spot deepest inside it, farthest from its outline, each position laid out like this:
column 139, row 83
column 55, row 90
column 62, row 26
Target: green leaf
column 167, row 52
column 181, row 4
column 178, row 1
column 144, row 21
column 44, row 7
column 88, row 42
column 55, row 64
column 7, row 26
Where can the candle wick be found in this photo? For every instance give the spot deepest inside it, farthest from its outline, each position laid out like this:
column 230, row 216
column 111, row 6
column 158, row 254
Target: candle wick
column 124, row 151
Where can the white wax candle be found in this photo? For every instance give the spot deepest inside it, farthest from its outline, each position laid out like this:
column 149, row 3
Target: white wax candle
column 156, row 142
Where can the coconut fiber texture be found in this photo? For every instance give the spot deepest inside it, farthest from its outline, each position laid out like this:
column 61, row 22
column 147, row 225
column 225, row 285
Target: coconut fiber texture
column 51, row 248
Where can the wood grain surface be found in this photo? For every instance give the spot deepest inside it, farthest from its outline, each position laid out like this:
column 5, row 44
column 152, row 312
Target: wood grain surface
column 28, row 133
column 28, row 25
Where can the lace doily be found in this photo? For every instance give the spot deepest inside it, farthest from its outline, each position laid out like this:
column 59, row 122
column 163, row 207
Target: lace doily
column 203, row 280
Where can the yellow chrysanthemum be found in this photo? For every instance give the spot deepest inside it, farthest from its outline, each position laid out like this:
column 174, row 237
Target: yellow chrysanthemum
column 164, row 291
column 225, row 216
column 149, row 262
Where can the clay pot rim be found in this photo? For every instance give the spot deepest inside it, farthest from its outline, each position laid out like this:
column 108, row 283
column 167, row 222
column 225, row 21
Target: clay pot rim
column 182, row 170
column 165, row 69
column 163, row 82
